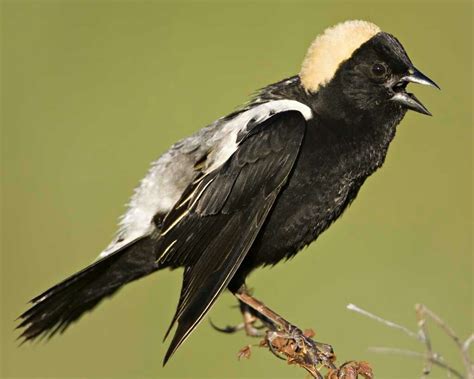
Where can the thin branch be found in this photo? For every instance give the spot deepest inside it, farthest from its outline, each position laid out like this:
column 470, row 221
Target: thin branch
column 440, row 322
column 420, row 315
column 388, row 323
column 467, row 344
column 422, row 310
column 430, row 357
column 434, row 359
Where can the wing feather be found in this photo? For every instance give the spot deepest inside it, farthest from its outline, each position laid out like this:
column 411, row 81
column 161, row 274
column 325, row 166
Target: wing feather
column 225, row 210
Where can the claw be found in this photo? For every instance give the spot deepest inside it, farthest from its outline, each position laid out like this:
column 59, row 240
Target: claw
column 253, row 331
column 228, row 329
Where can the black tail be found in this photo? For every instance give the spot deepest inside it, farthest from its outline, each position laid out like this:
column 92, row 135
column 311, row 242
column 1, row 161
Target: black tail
column 55, row 309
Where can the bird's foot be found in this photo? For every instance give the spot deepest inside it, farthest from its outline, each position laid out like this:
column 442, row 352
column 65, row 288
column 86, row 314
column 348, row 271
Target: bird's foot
column 250, row 329
column 249, row 325
column 288, row 342
column 298, row 348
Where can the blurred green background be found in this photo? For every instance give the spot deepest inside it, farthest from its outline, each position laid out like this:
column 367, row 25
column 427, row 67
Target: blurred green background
column 92, row 91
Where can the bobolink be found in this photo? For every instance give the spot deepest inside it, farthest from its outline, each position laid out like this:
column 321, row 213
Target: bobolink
column 253, row 187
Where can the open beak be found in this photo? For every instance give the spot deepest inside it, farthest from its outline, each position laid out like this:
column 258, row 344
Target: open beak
column 408, row 99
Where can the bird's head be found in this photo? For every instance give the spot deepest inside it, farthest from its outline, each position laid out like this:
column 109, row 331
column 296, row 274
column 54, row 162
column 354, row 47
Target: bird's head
column 355, row 64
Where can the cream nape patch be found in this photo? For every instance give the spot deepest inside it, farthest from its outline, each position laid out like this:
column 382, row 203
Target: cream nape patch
column 334, row 46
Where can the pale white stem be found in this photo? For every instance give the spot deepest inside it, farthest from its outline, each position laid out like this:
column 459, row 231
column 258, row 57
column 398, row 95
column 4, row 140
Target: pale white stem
column 388, row 323
column 423, row 310
column 467, row 344
column 430, row 357
column 435, row 359
column 440, row 322
column 423, row 331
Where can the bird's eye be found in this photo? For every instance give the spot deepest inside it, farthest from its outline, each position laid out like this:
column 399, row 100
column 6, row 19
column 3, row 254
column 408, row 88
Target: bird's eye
column 378, row 69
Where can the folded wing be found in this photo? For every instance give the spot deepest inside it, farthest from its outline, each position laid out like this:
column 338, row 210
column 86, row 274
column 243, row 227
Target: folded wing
column 213, row 226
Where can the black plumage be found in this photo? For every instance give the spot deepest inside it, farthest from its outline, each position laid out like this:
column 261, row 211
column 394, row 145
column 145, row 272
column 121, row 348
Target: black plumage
column 241, row 193
column 282, row 169
column 55, row 309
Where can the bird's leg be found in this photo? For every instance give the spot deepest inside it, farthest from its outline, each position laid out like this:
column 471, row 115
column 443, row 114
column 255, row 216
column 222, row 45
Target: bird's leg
column 248, row 324
column 288, row 340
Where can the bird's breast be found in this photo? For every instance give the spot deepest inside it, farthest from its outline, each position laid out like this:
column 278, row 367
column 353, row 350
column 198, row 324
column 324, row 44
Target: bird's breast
column 331, row 168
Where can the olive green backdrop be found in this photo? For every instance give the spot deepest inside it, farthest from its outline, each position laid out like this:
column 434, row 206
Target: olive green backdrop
column 92, row 91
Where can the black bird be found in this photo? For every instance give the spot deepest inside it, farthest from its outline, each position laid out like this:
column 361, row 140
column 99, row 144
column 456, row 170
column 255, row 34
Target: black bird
column 253, row 187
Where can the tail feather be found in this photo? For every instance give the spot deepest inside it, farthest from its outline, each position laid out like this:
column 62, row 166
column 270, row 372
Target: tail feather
column 56, row 308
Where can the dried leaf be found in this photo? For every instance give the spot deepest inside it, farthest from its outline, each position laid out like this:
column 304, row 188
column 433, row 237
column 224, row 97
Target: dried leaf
column 351, row 370
column 245, row 352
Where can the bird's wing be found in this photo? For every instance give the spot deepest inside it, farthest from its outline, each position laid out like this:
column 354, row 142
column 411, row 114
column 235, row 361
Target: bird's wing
column 212, row 227
column 171, row 174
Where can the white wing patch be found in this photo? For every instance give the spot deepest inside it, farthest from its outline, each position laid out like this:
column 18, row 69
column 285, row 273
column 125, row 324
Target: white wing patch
column 169, row 176
column 226, row 143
